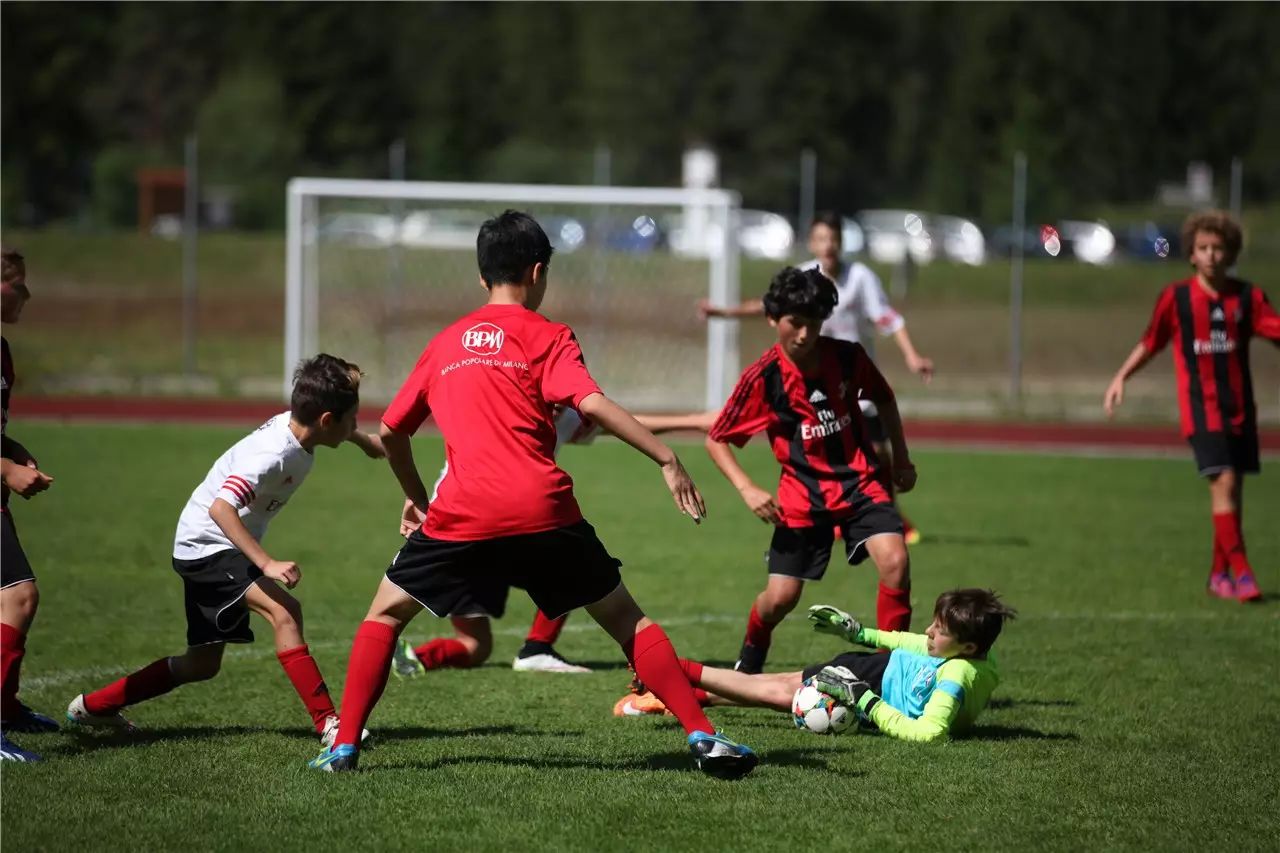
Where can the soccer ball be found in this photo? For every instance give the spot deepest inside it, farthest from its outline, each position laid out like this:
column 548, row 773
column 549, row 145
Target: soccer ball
column 819, row 713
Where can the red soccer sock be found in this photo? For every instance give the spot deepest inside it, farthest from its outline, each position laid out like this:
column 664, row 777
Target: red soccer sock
column 893, row 608
column 301, row 668
column 1226, row 528
column 545, row 629
column 154, row 679
column 692, row 670
column 655, row 662
column 443, row 653
column 13, row 645
column 367, row 673
column 759, row 632
column 1220, row 564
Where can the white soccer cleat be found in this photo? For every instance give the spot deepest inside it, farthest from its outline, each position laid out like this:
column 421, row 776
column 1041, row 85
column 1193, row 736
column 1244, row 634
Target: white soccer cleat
column 330, row 733
column 546, row 662
column 79, row 715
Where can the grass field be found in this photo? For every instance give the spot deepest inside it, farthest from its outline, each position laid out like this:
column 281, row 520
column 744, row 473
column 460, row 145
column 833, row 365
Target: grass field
column 1135, row 712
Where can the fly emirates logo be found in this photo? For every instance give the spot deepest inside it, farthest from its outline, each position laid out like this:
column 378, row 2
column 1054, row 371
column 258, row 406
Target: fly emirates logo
column 828, row 424
column 1218, row 344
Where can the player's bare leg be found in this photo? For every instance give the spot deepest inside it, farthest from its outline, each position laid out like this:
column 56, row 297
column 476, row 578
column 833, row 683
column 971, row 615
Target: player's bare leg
column 893, row 597
column 284, row 613
column 651, row 655
column 102, row 708
column 780, row 596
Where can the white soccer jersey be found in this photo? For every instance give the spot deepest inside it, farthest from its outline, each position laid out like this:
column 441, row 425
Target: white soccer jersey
column 257, row 476
column 862, row 303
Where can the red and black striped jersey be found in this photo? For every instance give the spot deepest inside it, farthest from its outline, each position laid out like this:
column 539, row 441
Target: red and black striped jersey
column 1210, row 335
column 815, row 428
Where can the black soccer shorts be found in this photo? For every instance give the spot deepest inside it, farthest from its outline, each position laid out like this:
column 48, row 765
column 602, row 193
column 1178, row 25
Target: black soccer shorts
column 561, row 569
column 14, row 567
column 803, row 552
column 1216, row 452
column 214, row 588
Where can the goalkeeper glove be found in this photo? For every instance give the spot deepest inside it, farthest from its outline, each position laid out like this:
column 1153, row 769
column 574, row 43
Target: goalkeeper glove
column 832, row 620
column 840, row 683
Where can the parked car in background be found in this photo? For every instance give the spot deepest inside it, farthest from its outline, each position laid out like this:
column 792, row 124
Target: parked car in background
column 1150, row 241
column 893, row 234
column 852, row 240
column 960, row 239
column 762, row 234
column 1091, row 242
column 441, row 228
column 369, row 230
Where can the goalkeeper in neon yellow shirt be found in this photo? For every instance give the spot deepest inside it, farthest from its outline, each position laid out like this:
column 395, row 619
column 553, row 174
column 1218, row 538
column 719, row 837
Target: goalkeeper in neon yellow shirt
column 928, row 686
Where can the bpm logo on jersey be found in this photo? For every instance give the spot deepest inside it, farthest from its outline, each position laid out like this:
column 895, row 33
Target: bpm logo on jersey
column 483, row 339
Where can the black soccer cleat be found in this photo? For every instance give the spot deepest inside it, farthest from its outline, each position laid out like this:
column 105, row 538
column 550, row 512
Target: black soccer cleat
column 750, row 660
column 720, row 757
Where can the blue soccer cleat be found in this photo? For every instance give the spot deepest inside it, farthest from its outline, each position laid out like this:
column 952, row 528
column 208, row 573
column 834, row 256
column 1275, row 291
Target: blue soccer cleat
column 720, row 757
column 27, row 720
column 339, row 759
column 10, row 751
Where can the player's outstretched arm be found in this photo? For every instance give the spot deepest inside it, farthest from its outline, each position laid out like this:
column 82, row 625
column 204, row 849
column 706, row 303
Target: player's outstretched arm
column 370, row 444
column 750, row 308
column 1114, row 396
column 618, row 421
column 904, row 471
column 916, row 363
column 760, row 501
column 658, row 424
column 400, row 456
column 228, row 520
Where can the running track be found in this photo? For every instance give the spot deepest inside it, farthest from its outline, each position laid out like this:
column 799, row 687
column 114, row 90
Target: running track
column 1086, row 437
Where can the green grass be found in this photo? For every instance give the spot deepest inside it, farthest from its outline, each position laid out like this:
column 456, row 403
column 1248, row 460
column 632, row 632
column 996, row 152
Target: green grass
column 1135, row 712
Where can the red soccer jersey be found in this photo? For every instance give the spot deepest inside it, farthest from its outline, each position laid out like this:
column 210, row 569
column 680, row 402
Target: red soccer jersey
column 829, row 467
column 1211, row 337
column 491, row 380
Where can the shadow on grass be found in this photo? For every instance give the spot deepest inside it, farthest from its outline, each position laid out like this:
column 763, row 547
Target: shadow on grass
column 971, row 539
column 806, row 759
column 81, row 741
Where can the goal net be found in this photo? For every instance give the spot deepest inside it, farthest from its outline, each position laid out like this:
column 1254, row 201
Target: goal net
column 376, row 268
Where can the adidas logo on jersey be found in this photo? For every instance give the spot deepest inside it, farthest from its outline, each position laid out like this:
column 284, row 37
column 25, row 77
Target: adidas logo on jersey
column 1217, row 314
column 817, row 396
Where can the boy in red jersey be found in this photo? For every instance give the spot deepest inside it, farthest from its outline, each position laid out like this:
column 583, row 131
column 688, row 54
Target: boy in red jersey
column 804, row 392
column 506, row 515
column 19, row 596
column 1212, row 317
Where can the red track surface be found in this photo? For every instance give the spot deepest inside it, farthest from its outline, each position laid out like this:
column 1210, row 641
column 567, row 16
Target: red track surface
column 963, row 433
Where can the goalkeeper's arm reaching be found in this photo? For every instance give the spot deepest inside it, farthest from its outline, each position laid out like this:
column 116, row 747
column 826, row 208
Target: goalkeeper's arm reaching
column 832, row 620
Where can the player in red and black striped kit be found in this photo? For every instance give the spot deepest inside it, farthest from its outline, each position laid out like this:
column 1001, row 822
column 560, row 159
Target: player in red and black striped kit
column 19, row 597
column 804, row 392
column 1210, row 319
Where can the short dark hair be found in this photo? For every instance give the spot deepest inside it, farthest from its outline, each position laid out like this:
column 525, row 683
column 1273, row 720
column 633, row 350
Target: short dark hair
column 832, row 220
column 508, row 245
column 1215, row 222
column 322, row 384
column 806, row 293
column 973, row 616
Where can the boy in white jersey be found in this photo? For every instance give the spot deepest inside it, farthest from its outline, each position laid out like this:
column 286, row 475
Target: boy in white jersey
column 928, row 687
column 862, row 302
column 217, row 550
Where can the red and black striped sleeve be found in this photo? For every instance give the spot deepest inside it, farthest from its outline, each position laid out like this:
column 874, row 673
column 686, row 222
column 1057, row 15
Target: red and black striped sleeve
column 747, row 412
column 1163, row 322
column 1266, row 322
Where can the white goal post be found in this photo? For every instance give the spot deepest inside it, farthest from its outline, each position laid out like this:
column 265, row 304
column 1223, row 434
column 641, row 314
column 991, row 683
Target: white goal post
column 374, row 268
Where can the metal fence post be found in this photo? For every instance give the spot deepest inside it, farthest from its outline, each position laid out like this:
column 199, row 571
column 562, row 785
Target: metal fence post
column 1015, row 275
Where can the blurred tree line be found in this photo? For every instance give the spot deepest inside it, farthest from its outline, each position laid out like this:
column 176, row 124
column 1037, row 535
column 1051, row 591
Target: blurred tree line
column 905, row 104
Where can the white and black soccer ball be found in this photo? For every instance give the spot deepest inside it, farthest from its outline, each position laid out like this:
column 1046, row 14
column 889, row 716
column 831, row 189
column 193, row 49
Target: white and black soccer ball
column 815, row 711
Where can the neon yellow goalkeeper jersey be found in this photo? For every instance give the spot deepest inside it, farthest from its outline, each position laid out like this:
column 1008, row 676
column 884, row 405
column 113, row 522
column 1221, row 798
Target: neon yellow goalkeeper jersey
column 926, row 698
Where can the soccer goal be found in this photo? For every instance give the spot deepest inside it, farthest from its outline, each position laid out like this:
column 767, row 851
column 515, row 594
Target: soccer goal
column 376, row 268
